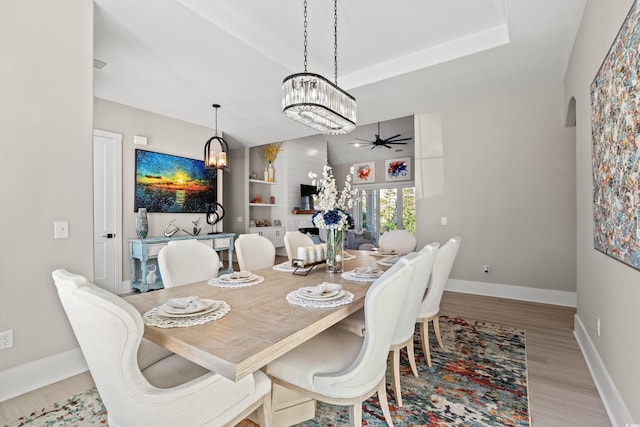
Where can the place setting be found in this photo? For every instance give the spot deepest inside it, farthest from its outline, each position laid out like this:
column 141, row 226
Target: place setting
column 237, row 279
column 322, row 296
column 185, row 311
column 383, row 252
column 363, row 274
column 388, row 261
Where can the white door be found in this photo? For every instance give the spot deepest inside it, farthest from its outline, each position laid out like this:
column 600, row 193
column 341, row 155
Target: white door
column 107, row 210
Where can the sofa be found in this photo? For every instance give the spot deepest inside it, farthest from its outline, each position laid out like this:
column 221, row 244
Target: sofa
column 356, row 238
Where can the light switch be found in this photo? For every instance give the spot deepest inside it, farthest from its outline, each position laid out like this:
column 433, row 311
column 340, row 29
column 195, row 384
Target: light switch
column 61, row 230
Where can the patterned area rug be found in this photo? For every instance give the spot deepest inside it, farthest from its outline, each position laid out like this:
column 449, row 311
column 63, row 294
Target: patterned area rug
column 478, row 379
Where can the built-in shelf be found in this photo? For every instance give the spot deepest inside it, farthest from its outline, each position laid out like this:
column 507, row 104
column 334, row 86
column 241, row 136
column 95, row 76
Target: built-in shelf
column 260, row 181
column 262, row 204
column 303, row 212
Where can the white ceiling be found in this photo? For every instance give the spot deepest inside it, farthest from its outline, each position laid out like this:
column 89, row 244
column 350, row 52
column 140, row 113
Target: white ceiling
column 177, row 57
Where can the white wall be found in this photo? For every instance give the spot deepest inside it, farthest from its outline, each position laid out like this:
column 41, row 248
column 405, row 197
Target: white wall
column 607, row 288
column 165, row 135
column 508, row 190
column 46, row 110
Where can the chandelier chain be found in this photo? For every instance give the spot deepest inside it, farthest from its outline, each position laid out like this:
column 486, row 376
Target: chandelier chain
column 305, row 36
column 335, row 40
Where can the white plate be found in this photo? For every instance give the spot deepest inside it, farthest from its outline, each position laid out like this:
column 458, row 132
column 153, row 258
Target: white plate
column 372, row 273
column 327, row 296
column 216, row 305
column 228, row 278
column 307, row 292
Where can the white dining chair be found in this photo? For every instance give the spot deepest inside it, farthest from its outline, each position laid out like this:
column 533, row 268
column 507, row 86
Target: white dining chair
column 293, row 240
column 342, row 368
column 430, row 306
column 400, row 241
column 421, row 263
column 187, row 261
column 254, row 252
column 142, row 384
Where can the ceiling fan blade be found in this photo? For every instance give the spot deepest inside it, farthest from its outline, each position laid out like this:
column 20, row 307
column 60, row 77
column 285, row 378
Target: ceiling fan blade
column 388, row 146
column 391, row 137
column 401, row 139
column 360, row 139
column 396, row 142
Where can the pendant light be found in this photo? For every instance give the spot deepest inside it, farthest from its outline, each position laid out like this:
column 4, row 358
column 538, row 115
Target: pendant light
column 314, row 101
column 214, row 159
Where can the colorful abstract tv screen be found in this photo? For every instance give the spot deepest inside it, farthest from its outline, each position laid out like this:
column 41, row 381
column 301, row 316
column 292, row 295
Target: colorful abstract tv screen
column 167, row 183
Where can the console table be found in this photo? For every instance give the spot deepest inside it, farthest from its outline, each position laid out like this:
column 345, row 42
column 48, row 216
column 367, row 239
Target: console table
column 142, row 250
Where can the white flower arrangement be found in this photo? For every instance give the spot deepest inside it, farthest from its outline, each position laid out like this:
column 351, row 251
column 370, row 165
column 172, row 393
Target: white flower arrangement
column 334, row 203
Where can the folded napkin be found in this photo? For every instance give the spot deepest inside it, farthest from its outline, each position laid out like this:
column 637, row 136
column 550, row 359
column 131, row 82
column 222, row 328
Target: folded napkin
column 244, row 274
column 190, row 303
column 367, row 271
column 318, row 290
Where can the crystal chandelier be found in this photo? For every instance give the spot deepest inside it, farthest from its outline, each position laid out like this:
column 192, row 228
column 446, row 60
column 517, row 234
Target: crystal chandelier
column 314, row 101
column 216, row 159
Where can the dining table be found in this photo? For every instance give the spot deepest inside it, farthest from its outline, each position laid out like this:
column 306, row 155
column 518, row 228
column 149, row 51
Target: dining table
column 261, row 324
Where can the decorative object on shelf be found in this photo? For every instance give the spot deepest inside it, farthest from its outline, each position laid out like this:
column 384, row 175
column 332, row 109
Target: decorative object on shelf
column 270, row 173
column 151, row 273
column 263, row 223
column 398, row 169
column 334, row 216
column 277, row 223
column 196, row 229
column 142, row 224
column 253, row 175
column 270, row 153
column 214, row 215
column 257, row 199
column 216, row 159
column 314, row 101
column 272, row 200
column 170, row 229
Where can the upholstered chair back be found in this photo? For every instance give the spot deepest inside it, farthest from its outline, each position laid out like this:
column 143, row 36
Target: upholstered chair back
column 401, row 241
column 187, row 261
column 293, row 240
column 254, row 252
column 383, row 305
column 442, row 265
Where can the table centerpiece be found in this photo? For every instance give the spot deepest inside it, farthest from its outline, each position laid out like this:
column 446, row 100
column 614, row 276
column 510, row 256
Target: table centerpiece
column 334, row 216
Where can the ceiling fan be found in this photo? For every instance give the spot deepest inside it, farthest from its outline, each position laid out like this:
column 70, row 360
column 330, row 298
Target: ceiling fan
column 379, row 142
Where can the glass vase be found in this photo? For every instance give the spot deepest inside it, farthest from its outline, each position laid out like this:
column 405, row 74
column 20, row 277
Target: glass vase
column 334, row 250
column 142, row 225
column 270, row 173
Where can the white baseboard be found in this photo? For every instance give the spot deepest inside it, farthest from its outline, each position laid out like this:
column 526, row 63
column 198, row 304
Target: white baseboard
column 39, row 373
column 125, row 287
column 614, row 405
column 522, row 293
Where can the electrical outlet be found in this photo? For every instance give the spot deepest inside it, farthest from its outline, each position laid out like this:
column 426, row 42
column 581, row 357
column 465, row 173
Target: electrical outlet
column 6, row 339
column 486, row 269
column 443, row 220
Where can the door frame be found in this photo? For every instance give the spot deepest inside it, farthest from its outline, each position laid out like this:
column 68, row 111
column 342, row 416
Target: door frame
column 117, row 139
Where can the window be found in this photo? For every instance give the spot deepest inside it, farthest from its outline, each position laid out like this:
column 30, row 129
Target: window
column 385, row 208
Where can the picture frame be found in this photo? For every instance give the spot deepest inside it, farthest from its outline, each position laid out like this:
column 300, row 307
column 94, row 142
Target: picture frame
column 364, row 173
column 614, row 127
column 170, row 183
column 277, row 223
column 252, row 223
column 397, row 169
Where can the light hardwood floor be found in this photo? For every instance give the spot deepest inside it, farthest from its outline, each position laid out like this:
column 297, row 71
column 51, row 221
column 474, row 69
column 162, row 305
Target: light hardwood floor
column 561, row 392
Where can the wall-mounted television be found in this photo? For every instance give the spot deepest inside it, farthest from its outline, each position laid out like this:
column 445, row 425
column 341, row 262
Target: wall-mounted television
column 307, row 195
column 168, row 183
